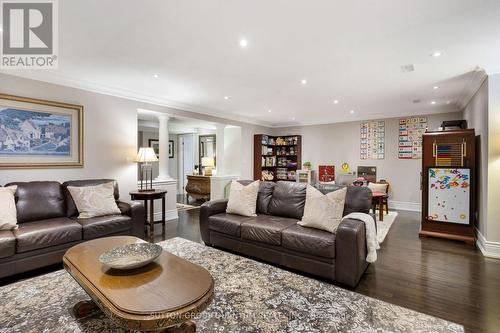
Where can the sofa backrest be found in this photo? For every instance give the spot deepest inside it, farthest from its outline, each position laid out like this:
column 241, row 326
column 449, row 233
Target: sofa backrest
column 358, row 199
column 288, row 200
column 71, row 209
column 39, row 200
column 264, row 196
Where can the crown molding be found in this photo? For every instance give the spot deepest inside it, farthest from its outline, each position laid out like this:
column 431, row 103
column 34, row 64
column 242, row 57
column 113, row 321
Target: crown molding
column 58, row 79
column 378, row 116
column 478, row 75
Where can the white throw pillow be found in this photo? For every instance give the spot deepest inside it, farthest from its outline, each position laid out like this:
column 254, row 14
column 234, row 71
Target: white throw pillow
column 323, row 211
column 243, row 199
column 93, row 201
column 8, row 211
column 378, row 187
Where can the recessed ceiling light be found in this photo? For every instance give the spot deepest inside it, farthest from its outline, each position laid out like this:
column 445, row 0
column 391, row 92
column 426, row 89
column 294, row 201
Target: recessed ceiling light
column 408, row 68
column 433, row 102
column 243, row 43
column 351, row 112
column 293, row 118
column 303, row 81
column 436, row 54
column 435, row 87
column 269, row 110
column 226, row 97
column 448, row 102
column 336, row 101
column 156, row 76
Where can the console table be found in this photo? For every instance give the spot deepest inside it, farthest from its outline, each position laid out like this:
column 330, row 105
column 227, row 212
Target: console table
column 198, row 187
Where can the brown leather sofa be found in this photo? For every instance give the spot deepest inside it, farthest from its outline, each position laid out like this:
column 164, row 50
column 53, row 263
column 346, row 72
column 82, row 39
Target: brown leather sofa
column 274, row 235
column 48, row 225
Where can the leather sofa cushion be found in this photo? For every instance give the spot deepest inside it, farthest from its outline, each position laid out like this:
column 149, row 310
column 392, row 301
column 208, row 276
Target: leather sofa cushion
column 39, row 201
column 288, row 200
column 265, row 228
column 7, row 244
column 265, row 194
column 45, row 233
column 229, row 224
column 358, row 199
column 309, row 240
column 96, row 227
column 71, row 209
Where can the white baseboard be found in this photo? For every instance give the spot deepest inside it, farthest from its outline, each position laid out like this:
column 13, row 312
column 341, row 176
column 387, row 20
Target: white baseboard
column 402, row 205
column 489, row 249
column 169, row 215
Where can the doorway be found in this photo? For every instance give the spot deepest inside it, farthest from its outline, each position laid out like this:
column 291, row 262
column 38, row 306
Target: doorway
column 187, row 159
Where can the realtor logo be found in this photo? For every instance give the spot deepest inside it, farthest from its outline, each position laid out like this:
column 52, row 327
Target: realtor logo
column 29, row 34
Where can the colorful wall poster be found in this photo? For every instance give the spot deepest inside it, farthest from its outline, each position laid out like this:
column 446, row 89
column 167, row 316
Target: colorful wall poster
column 326, row 173
column 449, row 195
column 410, row 137
column 372, row 135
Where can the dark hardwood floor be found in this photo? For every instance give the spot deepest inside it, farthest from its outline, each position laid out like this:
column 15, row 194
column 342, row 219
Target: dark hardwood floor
column 442, row 278
column 446, row 279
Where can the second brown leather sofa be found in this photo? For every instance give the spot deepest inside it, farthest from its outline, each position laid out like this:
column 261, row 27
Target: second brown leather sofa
column 274, row 235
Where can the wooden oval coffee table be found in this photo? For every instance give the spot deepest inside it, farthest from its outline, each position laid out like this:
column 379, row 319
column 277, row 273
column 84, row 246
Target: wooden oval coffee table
column 162, row 296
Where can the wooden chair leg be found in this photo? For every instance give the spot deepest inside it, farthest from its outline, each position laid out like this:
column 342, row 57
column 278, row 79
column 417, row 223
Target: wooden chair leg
column 387, row 206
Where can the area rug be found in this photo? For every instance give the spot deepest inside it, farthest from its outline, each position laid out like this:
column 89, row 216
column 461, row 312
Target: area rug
column 181, row 207
column 249, row 297
column 384, row 226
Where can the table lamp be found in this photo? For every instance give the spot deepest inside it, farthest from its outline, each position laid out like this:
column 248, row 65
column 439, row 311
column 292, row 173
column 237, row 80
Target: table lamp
column 208, row 163
column 145, row 157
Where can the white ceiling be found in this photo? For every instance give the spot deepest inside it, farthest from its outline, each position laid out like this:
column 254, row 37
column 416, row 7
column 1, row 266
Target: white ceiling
column 347, row 50
column 148, row 121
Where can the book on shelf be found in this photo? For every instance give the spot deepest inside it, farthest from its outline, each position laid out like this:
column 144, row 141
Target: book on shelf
column 267, row 150
column 287, row 141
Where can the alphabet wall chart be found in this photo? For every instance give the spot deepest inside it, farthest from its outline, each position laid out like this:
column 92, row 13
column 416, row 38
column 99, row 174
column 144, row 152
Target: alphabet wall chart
column 372, row 134
column 410, row 137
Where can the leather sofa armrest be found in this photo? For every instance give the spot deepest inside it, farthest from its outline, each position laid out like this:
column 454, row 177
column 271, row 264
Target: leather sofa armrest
column 350, row 249
column 135, row 210
column 208, row 209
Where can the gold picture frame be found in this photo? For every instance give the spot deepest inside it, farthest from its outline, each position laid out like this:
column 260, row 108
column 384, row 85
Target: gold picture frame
column 37, row 133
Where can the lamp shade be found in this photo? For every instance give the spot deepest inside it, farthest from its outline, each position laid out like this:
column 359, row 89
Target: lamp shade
column 207, row 162
column 146, row 154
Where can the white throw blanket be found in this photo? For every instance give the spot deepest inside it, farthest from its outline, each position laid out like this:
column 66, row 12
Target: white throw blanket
column 371, row 234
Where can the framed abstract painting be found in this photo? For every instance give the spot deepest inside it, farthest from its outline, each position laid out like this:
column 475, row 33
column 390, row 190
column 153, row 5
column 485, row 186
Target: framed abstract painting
column 36, row 133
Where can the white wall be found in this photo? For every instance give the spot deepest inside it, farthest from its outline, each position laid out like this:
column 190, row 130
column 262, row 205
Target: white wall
column 476, row 114
column 232, row 150
column 110, row 134
column 339, row 143
column 493, row 214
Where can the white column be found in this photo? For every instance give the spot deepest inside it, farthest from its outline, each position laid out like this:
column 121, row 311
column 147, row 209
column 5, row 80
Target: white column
column 219, row 138
column 163, row 173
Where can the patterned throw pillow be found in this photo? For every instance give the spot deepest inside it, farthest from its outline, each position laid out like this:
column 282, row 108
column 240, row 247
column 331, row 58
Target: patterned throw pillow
column 243, row 199
column 8, row 211
column 323, row 211
column 93, row 201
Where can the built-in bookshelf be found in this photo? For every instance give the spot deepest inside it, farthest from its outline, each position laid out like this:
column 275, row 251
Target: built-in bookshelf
column 277, row 157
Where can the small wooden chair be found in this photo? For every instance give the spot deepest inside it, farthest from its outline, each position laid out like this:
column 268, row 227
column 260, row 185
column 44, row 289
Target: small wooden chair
column 385, row 202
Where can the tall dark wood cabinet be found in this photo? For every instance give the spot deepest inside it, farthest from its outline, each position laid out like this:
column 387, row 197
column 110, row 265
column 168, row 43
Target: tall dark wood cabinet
column 277, row 157
column 448, row 185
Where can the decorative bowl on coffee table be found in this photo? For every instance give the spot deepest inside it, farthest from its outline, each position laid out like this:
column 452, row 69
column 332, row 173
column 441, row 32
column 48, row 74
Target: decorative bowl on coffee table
column 131, row 256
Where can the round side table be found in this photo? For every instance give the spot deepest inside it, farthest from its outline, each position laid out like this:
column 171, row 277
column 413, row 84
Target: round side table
column 151, row 196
